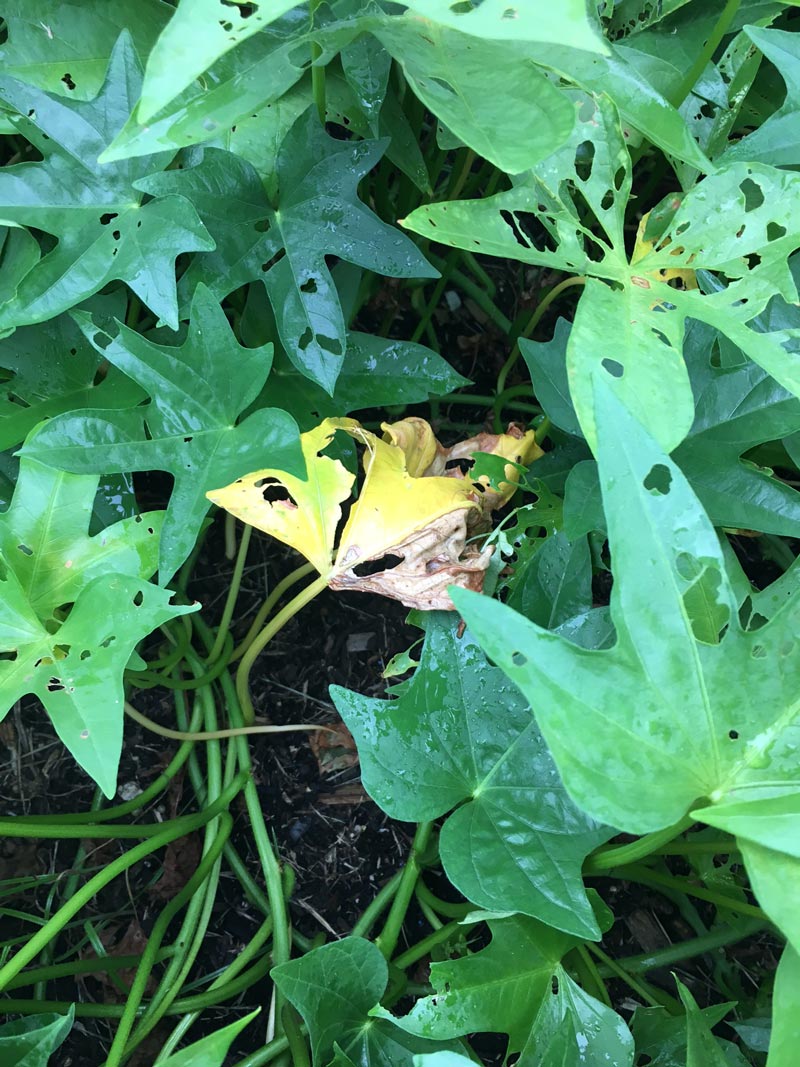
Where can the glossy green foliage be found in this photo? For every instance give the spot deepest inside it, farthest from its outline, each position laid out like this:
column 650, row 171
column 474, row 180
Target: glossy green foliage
column 189, row 429
column 107, row 233
column 459, row 734
column 222, row 223
column 335, row 989
column 73, row 610
column 31, row 1041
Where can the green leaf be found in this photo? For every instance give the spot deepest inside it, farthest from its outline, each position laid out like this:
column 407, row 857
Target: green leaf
column 376, row 372
column 366, row 65
column 499, row 989
column 251, row 78
column 106, row 234
column 211, row 1050
column 31, row 1040
column 62, row 46
column 495, row 20
column 43, row 539
column 189, row 428
column 663, row 1038
column 776, row 141
column 632, row 334
column 775, row 880
column 573, row 1029
column 73, row 610
column 334, row 988
column 51, row 368
column 553, row 584
column 702, row 1049
column 491, row 97
column 199, row 32
column 737, row 407
column 663, row 706
column 458, row 732
column 786, row 1011
column 317, row 213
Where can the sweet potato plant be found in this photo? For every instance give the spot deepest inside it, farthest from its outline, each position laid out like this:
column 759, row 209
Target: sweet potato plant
column 233, row 237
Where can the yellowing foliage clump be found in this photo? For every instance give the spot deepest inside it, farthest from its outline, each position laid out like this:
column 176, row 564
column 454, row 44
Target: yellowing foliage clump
column 415, row 504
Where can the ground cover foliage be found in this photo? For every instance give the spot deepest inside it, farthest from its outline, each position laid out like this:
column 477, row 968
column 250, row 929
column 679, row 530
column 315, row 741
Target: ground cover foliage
column 232, row 237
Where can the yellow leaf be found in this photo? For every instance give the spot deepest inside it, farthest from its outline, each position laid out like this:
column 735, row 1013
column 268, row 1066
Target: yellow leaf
column 308, row 518
column 393, row 505
column 515, row 445
column 424, row 455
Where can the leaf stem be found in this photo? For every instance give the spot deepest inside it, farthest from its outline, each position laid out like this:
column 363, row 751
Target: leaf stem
column 605, row 859
column 233, row 593
column 533, row 322
column 647, row 876
column 265, row 610
column 388, row 937
column 654, row 997
column 275, row 624
column 219, row 735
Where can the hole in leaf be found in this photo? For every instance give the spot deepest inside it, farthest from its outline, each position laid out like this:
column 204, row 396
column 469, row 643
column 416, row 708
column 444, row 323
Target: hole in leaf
column 187, row 440
column 274, row 492
column 519, row 659
column 733, row 735
column 612, row 367
column 775, row 231
column 752, row 260
column 554, row 986
column 658, row 480
column 67, row 80
column 462, row 7
column 55, row 685
column 306, row 337
column 108, row 642
column 309, row 286
column 464, row 464
column 584, row 160
column 607, row 201
column 329, row 344
column 86, row 654
column 753, row 196
column 376, row 566
column 688, row 566
column 138, row 600
column 619, row 178
column 25, row 550
column 9, row 656
column 758, row 652
column 116, row 235
column 108, row 217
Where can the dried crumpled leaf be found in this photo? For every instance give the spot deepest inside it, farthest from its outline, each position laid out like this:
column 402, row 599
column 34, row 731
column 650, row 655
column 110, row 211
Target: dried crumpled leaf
column 412, row 509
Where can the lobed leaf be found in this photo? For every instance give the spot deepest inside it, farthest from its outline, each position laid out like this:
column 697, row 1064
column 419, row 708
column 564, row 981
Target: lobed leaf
column 458, row 734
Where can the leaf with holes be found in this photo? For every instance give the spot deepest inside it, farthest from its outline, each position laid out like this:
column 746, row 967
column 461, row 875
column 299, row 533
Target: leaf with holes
column 516, row 986
column 458, row 734
column 317, row 214
column 499, row 104
column 376, row 372
column 737, row 407
column 44, row 540
column 506, row 21
column 76, row 671
column 741, row 221
column 73, row 609
column 51, row 368
column 199, row 32
column 108, row 233
column 190, row 427
column 667, row 705
column 334, row 987
column 415, row 528
column 62, row 46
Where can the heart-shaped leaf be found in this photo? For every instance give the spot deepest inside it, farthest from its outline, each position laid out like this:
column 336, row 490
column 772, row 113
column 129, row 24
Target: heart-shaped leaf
column 458, row 734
